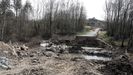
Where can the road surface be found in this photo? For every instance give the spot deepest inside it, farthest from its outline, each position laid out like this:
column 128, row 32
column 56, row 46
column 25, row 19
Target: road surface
column 92, row 33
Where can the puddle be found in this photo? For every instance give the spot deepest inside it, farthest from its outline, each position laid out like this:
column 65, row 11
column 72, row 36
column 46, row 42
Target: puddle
column 90, row 57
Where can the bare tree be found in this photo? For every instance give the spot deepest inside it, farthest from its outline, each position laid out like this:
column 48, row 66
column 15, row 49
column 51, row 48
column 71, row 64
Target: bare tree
column 119, row 20
column 50, row 17
column 4, row 6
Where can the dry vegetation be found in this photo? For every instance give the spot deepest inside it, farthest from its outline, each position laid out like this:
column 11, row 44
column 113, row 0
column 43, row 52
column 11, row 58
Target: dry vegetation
column 23, row 50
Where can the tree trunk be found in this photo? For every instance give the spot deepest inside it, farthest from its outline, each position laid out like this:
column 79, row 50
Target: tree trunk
column 3, row 28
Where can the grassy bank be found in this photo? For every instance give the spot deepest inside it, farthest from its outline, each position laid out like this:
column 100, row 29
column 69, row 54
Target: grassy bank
column 103, row 35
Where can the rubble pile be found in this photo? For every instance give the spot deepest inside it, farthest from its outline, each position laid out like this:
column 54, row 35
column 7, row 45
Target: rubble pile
column 119, row 66
column 4, row 63
column 75, row 49
column 32, row 71
column 49, row 46
column 5, row 50
column 47, row 59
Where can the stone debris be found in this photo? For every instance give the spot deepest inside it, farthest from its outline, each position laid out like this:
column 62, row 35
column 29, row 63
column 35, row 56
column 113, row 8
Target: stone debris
column 35, row 61
column 4, row 63
column 55, row 59
column 32, row 71
column 75, row 49
column 49, row 46
column 50, row 54
column 119, row 66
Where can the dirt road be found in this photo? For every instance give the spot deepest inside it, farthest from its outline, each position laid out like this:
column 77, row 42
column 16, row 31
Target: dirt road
column 91, row 33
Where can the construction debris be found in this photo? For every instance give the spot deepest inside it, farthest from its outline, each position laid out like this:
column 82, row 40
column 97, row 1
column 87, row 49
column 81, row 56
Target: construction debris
column 4, row 63
column 119, row 66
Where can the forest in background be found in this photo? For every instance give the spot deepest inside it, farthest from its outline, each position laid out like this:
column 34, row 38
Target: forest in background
column 24, row 49
column 17, row 22
column 119, row 19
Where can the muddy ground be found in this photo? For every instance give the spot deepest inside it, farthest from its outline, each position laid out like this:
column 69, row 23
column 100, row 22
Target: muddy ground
column 57, row 60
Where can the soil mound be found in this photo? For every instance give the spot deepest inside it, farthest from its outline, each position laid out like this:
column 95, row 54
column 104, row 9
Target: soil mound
column 119, row 66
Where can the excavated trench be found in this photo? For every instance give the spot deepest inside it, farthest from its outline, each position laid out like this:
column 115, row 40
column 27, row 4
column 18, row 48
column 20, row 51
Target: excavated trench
column 88, row 53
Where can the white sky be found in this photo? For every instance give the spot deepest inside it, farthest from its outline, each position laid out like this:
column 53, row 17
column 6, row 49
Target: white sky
column 94, row 8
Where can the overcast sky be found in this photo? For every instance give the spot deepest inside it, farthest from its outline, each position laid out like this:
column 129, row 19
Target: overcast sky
column 94, row 8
